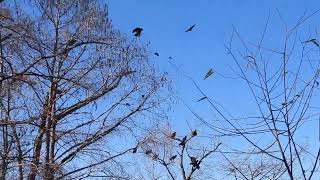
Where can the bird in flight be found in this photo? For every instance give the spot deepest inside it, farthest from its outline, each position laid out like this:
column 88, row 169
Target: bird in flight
column 137, row 31
column 190, row 28
column 157, row 54
column 209, row 73
column 203, row 98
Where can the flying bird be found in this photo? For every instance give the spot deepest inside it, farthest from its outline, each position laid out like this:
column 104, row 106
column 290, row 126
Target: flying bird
column 190, row 28
column 208, row 74
column 157, row 54
column 314, row 41
column 203, row 98
column 137, row 31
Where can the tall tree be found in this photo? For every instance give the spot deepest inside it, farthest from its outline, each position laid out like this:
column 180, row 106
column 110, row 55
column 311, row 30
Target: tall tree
column 71, row 85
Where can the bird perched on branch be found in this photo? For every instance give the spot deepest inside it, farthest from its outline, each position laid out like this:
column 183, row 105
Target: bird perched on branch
column 71, row 42
column 134, row 150
column 195, row 163
column 183, row 141
column 190, row 28
column 173, row 135
column 157, row 54
column 172, row 158
column 194, row 133
column 137, row 31
column 149, row 151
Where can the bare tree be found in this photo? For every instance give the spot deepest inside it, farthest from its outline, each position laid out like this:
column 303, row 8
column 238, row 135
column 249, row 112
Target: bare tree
column 178, row 157
column 284, row 84
column 71, row 88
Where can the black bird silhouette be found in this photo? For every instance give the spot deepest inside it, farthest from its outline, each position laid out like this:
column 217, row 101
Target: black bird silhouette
column 203, row 98
column 172, row 158
column 194, row 133
column 194, row 162
column 170, row 57
column 157, row 54
column 71, row 42
column 183, row 141
column 190, row 28
column 173, row 135
column 208, row 74
column 137, row 31
column 142, row 95
column 135, row 149
column 127, row 104
column 149, row 151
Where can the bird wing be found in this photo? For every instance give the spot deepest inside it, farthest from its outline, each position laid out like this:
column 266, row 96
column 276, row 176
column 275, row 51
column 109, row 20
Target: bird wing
column 205, row 97
column 209, row 73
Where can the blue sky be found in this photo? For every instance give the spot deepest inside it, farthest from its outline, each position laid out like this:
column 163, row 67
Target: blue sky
column 164, row 23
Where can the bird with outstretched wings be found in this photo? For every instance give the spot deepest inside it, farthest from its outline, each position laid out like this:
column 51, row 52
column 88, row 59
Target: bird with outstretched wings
column 137, row 31
column 190, row 28
column 208, row 74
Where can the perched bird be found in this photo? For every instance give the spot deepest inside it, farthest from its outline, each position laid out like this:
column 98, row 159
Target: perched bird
column 149, row 151
column 172, row 158
column 142, row 95
column 194, row 133
column 314, row 41
column 137, row 31
column 127, row 104
column 173, row 135
column 190, row 28
column 208, row 74
column 71, row 42
column 135, row 149
column 203, row 98
column 157, row 54
column 183, row 141
column 194, row 162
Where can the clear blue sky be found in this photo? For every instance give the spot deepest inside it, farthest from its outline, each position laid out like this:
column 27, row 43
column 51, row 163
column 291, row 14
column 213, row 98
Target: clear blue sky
column 164, row 23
